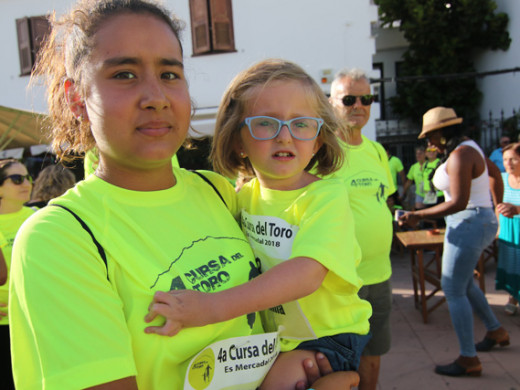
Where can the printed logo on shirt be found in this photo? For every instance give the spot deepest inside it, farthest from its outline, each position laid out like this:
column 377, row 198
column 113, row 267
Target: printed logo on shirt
column 370, row 183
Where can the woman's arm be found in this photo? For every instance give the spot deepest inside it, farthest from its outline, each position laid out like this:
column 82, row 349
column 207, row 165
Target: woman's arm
column 3, row 269
column 496, row 184
column 288, row 281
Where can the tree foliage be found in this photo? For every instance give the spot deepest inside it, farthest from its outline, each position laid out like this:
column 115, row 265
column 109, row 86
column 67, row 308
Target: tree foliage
column 443, row 37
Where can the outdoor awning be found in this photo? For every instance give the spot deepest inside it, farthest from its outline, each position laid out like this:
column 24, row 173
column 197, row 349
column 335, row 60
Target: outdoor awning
column 20, row 129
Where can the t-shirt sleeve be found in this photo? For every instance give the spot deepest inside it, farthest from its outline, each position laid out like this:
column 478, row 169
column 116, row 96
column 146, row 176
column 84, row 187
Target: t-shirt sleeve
column 399, row 165
column 411, row 172
column 67, row 320
column 326, row 234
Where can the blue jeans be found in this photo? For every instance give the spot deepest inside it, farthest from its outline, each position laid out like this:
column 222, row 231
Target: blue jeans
column 468, row 232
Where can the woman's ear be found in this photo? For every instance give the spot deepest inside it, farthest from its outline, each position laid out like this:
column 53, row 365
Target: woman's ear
column 74, row 100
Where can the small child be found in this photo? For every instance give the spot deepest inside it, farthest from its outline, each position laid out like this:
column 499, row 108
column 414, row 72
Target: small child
column 274, row 122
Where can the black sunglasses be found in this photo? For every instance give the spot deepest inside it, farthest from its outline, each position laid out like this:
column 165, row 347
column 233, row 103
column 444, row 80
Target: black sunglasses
column 350, row 100
column 17, row 179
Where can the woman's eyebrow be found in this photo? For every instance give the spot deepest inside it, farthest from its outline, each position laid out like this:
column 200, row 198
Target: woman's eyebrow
column 116, row 61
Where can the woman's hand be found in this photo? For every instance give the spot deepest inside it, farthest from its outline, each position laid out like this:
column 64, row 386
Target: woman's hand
column 409, row 218
column 507, row 209
column 181, row 309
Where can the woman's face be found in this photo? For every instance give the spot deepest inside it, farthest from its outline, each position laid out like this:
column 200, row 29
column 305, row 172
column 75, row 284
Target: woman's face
column 137, row 99
column 511, row 162
column 16, row 194
column 434, row 141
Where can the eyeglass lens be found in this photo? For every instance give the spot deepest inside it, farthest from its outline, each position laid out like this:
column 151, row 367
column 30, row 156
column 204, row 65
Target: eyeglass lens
column 350, row 100
column 300, row 128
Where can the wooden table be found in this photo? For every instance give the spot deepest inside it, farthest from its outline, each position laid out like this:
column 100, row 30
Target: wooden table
column 424, row 271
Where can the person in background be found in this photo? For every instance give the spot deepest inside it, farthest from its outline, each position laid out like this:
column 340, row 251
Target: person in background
column 508, row 266
column 51, row 182
column 15, row 191
column 432, row 195
column 497, row 155
column 369, row 182
column 396, row 167
column 471, row 226
column 415, row 176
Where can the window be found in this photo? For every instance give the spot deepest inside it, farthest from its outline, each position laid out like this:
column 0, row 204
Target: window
column 211, row 26
column 31, row 32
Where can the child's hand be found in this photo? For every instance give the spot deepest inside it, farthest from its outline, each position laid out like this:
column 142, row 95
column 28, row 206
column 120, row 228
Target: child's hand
column 180, row 308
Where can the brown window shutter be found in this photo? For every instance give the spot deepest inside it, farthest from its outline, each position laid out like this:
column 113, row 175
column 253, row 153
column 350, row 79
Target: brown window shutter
column 222, row 25
column 200, row 35
column 40, row 28
column 24, row 46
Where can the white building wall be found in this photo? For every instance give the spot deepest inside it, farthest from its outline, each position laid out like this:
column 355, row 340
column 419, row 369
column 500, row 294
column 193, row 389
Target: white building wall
column 500, row 92
column 320, row 36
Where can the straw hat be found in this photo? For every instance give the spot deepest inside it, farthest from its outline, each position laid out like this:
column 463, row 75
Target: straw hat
column 437, row 118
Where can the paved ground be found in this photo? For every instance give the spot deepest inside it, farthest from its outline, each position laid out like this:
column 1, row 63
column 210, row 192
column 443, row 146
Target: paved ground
column 417, row 347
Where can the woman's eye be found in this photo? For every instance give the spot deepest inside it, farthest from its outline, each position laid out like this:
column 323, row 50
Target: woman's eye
column 125, row 75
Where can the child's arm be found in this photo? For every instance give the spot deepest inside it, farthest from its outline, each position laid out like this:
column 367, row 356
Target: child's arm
column 287, row 281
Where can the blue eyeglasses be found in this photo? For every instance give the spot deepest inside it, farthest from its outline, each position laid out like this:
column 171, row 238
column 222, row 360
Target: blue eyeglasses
column 263, row 128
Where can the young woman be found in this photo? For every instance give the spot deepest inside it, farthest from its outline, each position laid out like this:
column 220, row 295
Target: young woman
column 86, row 269
column 471, row 226
column 15, row 191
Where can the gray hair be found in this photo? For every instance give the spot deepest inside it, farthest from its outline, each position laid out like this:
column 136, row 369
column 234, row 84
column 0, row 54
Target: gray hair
column 354, row 74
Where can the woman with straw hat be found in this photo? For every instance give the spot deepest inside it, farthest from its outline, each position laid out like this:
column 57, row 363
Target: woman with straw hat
column 471, row 225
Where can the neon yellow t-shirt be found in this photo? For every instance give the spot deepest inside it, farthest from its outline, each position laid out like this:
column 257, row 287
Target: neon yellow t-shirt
column 395, row 166
column 9, row 225
column 91, row 161
column 316, row 222
column 429, row 167
column 74, row 329
column 369, row 182
column 416, row 174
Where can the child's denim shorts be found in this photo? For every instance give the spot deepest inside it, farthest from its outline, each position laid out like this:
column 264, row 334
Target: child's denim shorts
column 343, row 350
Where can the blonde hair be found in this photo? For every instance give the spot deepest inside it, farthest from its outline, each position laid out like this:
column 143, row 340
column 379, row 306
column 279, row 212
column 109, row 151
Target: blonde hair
column 65, row 54
column 52, row 182
column 233, row 106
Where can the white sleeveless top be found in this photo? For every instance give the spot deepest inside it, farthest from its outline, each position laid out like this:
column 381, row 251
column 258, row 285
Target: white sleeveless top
column 479, row 195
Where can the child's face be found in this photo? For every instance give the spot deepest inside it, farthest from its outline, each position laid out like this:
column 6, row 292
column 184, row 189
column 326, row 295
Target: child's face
column 279, row 163
column 137, row 100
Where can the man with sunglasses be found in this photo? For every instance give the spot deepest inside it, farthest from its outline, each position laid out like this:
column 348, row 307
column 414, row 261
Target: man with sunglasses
column 369, row 182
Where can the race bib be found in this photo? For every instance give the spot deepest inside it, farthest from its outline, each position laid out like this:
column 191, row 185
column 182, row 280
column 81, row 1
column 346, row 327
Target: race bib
column 239, row 363
column 430, row 197
column 272, row 239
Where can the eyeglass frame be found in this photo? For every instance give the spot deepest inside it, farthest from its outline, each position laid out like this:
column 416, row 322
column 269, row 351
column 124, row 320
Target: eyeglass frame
column 247, row 122
column 24, row 177
column 361, row 99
